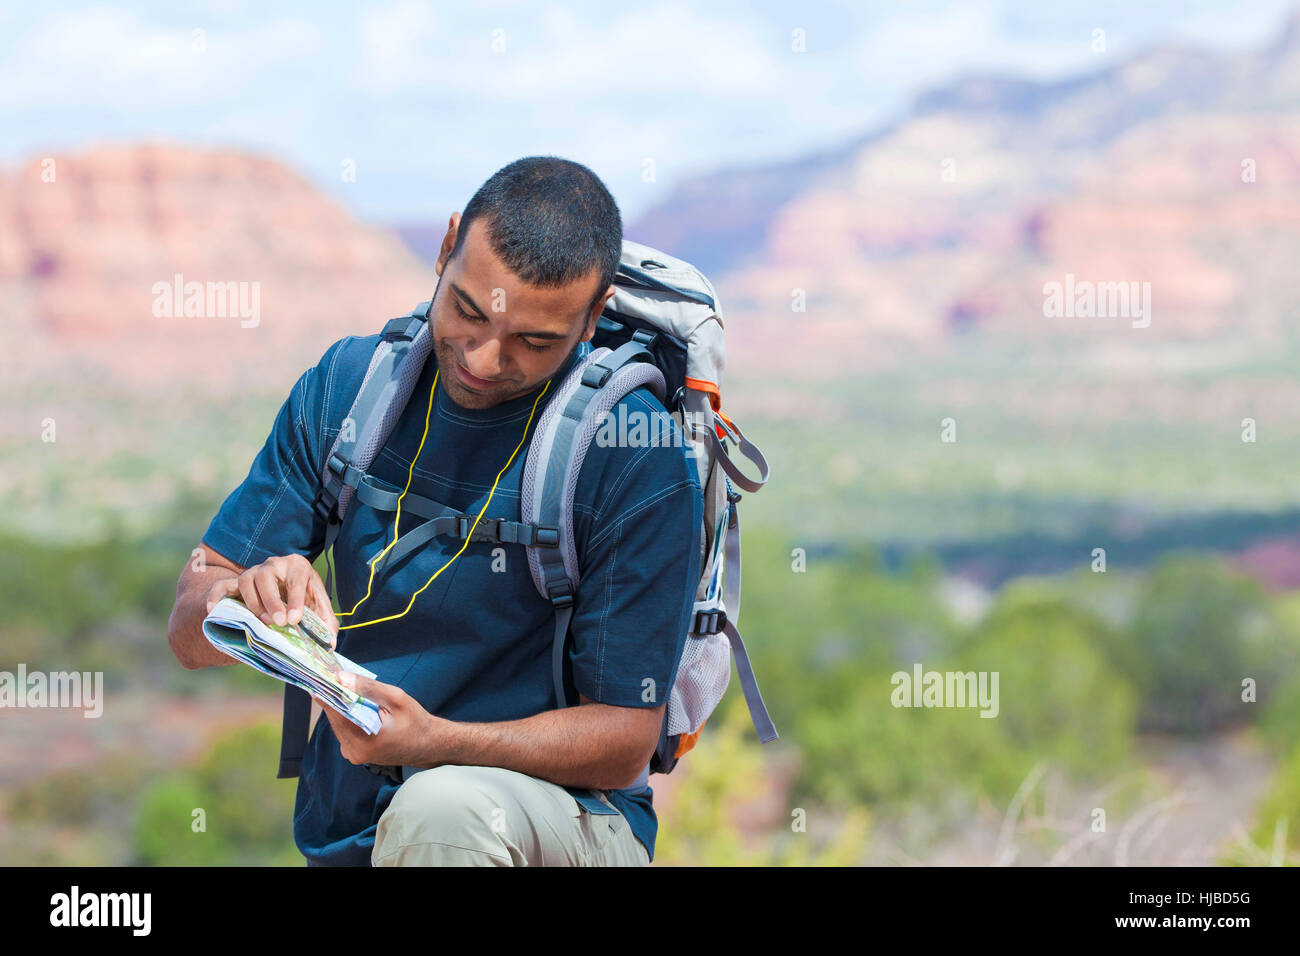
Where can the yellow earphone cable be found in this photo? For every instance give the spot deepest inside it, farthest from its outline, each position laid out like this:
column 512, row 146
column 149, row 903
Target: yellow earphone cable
column 397, row 520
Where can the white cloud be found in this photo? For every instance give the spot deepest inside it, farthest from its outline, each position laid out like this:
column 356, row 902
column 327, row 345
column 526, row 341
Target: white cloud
column 112, row 59
column 417, row 96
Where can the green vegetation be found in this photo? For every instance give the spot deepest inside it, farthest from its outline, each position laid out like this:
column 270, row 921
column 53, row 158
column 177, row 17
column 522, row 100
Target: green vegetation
column 103, row 606
column 245, row 813
column 1277, row 827
column 1086, row 662
column 723, row 771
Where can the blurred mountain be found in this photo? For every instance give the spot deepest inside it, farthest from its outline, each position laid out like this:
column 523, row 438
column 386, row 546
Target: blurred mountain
column 121, row 396
column 1176, row 167
column 919, row 253
column 85, row 240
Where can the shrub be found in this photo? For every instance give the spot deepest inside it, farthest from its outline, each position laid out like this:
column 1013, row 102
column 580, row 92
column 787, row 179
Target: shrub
column 1199, row 629
column 247, row 813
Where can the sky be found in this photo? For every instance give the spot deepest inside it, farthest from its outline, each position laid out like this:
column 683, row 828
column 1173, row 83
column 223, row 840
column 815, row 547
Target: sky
column 422, row 102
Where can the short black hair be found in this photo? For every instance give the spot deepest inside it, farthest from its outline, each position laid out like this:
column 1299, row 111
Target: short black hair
column 550, row 221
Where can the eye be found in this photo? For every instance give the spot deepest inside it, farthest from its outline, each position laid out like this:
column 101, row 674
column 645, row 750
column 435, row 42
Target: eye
column 478, row 318
column 465, row 315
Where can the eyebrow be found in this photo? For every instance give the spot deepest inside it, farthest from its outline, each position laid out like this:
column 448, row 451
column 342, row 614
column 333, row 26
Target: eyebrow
column 462, row 294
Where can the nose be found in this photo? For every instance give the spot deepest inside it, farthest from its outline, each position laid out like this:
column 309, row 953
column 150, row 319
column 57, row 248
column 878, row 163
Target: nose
column 484, row 361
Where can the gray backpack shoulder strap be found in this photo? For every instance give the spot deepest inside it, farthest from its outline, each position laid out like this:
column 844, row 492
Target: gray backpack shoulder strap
column 555, row 458
column 395, row 367
column 398, row 360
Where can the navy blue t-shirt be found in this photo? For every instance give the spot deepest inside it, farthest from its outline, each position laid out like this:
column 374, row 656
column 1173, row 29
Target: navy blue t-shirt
column 476, row 645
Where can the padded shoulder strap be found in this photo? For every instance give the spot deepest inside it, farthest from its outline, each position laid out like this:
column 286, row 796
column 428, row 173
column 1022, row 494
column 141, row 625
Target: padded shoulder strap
column 394, row 368
column 555, row 458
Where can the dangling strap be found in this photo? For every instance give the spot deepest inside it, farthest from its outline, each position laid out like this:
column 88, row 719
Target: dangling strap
column 293, row 737
column 731, row 561
column 749, row 684
column 747, row 448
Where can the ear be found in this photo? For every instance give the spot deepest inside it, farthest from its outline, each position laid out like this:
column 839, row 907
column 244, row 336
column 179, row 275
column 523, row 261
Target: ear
column 592, row 318
column 448, row 242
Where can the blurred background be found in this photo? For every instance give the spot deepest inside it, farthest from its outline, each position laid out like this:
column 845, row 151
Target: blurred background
column 1104, row 510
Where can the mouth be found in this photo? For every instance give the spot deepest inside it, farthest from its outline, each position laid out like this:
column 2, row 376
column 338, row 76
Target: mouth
column 469, row 381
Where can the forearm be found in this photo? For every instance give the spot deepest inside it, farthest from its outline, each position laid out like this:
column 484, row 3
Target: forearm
column 573, row 747
column 185, row 626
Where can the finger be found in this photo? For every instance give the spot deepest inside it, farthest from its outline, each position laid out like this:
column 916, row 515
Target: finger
column 226, row 587
column 387, row 696
column 320, row 603
column 295, row 588
column 248, row 591
column 267, row 579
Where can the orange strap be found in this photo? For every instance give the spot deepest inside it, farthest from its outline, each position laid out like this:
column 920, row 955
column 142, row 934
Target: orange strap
column 715, row 399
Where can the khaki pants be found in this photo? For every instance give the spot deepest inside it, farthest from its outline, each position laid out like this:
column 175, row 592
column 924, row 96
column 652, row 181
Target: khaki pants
column 489, row 816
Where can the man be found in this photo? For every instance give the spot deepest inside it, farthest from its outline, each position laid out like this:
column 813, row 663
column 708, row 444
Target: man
column 464, row 678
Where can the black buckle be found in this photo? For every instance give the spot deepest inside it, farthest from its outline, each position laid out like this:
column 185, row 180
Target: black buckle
column 599, row 378
column 403, row 328
column 710, row 622
column 560, row 593
column 318, row 507
column 645, row 337
column 490, row 528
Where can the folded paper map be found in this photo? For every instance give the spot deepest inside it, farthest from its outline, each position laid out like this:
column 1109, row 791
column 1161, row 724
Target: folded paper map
column 294, row 654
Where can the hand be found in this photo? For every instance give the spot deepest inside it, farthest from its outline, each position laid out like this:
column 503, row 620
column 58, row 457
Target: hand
column 410, row 735
column 276, row 591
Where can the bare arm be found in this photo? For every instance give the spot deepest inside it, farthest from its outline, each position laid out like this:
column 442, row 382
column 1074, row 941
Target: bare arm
column 593, row 745
column 275, row 590
column 597, row 746
column 185, row 626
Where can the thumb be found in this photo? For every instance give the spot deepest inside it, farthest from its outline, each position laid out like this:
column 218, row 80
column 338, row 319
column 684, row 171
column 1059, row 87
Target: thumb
column 229, row 587
column 371, row 689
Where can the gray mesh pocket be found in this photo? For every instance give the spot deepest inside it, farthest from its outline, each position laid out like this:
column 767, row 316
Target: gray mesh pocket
column 702, row 679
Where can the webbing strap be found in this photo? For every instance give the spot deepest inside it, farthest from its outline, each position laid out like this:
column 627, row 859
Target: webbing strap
column 746, row 447
column 457, row 524
column 749, row 684
column 331, row 535
column 731, row 564
column 563, row 615
column 293, row 737
column 381, row 496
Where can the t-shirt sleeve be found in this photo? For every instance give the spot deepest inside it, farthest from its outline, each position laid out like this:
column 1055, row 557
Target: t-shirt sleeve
column 640, row 571
column 270, row 513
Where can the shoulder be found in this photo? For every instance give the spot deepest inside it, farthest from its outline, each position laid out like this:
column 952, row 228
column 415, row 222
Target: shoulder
column 330, row 386
column 637, row 456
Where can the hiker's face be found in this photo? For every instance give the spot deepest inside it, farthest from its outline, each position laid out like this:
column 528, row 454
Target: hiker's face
column 495, row 336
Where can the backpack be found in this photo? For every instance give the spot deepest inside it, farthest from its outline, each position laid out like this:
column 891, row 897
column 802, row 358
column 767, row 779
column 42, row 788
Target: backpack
column 662, row 328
